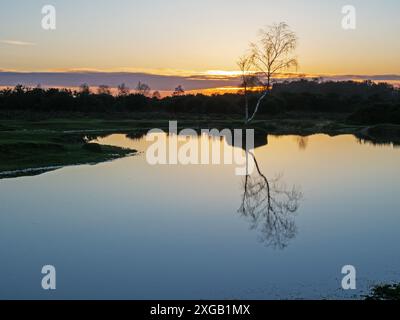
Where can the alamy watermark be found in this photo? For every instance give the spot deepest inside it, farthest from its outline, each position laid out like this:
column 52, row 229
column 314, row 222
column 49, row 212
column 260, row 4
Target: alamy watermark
column 185, row 147
column 349, row 21
column 49, row 280
column 49, row 21
column 349, row 281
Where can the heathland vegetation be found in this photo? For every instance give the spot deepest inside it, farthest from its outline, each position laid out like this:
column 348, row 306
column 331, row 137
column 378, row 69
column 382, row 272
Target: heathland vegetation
column 358, row 102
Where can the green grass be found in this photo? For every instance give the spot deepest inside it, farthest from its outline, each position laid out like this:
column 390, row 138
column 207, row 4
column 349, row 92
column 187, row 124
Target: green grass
column 23, row 149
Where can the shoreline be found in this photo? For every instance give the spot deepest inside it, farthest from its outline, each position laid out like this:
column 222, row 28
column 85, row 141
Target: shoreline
column 27, row 172
column 31, row 148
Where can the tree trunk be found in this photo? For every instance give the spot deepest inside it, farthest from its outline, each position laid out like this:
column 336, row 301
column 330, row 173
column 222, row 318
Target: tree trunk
column 247, row 108
column 258, row 106
column 261, row 98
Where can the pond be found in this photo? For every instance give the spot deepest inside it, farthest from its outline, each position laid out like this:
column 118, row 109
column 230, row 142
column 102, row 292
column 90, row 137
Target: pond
column 128, row 230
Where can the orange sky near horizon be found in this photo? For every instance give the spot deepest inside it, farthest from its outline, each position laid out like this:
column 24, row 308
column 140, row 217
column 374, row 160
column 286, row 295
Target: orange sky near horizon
column 196, row 38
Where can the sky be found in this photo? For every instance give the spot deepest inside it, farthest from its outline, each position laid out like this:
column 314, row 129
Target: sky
column 185, row 37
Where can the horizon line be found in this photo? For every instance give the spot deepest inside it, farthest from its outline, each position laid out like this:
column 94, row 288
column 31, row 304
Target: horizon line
column 163, row 82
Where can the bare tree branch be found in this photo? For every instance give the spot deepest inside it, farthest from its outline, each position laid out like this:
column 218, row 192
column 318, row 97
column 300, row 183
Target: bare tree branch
column 271, row 207
column 271, row 55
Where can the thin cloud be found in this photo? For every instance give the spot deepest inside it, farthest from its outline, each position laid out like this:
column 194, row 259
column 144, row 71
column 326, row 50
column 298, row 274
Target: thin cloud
column 159, row 82
column 17, row 43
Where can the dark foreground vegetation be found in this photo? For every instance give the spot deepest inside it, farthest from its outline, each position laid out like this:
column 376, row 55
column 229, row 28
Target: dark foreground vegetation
column 33, row 152
column 360, row 102
column 386, row 292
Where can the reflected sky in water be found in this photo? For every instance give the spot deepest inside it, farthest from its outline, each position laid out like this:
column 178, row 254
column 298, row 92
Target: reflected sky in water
column 128, row 230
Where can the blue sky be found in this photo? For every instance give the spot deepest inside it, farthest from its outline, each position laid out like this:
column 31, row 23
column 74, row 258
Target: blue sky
column 175, row 35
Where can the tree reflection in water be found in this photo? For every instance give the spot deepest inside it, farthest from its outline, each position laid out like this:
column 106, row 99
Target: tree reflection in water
column 271, row 207
column 302, row 142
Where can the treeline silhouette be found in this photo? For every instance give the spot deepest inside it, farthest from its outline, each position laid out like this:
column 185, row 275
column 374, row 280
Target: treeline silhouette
column 367, row 102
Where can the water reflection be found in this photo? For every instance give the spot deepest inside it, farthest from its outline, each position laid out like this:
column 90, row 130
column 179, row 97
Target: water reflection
column 270, row 206
column 106, row 213
column 302, row 142
column 381, row 135
column 379, row 143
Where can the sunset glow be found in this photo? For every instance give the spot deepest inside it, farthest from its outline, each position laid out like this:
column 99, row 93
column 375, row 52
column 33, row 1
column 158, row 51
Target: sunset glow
column 278, row 122
column 187, row 45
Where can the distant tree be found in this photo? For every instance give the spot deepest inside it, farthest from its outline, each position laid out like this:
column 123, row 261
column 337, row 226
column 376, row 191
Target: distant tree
column 84, row 88
column 123, row 90
column 156, row 95
column 179, row 91
column 20, row 89
column 103, row 89
column 366, row 101
column 270, row 56
column 143, row 89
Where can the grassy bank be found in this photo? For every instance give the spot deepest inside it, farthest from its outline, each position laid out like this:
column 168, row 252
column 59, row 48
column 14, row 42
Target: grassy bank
column 54, row 142
column 43, row 150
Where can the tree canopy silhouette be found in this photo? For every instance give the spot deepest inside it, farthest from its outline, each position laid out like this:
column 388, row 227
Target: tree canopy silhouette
column 272, row 54
column 362, row 102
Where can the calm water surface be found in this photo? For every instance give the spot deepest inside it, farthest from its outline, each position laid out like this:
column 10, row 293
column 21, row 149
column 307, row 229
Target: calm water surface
column 128, row 230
